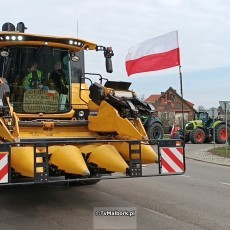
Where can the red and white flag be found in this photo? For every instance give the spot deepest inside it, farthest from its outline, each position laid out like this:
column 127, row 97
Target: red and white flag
column 154, row 54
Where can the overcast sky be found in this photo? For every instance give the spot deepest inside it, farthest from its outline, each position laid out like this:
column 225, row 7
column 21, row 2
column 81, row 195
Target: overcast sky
column 204, row 38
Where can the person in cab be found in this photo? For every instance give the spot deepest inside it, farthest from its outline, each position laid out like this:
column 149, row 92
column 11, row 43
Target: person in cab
column 57, row 79
column 33, row 79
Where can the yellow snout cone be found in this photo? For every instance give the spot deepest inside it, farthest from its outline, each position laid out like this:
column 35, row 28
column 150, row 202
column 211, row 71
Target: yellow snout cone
column 22, row 160
column 107, row 156
column 69, row 159
column 148, row 155
column 88, row 148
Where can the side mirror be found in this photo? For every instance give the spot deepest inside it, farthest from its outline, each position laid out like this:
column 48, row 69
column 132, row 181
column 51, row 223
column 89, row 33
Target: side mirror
column 108, row 53
column 109, row 66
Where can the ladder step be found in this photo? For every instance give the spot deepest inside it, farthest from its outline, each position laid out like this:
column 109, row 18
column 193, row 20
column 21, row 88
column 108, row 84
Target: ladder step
column 135, row 165
column 41, row 177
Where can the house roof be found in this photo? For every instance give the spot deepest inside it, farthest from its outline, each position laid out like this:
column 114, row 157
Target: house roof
column 152, row 98
column 161, row 98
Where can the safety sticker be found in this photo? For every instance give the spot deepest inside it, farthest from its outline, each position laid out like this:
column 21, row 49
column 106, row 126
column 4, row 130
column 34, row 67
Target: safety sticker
column 3, row 167
column 172, row 160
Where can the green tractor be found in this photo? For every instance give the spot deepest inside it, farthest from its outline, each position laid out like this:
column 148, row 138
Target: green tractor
column 204, row 130
column 152, row 123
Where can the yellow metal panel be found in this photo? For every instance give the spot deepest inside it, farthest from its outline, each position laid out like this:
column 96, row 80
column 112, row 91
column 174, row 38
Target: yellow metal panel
column 43, row 115
column 4, row 132
column 93, row 106
column 69, row 159
column 77, row 102
column 57, row 132
column 22, row 160
column 107, row 156
column 109, row 120
column 148, row 155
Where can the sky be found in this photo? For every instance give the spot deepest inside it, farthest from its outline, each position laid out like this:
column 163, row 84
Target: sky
column 204, row 39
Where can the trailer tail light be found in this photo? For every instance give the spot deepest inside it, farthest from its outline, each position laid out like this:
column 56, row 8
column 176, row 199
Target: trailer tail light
column 179, row 143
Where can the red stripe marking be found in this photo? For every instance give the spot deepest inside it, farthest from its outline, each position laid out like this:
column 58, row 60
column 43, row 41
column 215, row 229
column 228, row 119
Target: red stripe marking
column 174, row 158
column 2, row 155
column 154, row 62
column 167, row 166
column 3, row 171
column 180, row 150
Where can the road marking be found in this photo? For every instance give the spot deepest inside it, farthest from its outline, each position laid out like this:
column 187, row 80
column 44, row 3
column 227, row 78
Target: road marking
column 185, row 176
column 225, row 183
column 158, row 213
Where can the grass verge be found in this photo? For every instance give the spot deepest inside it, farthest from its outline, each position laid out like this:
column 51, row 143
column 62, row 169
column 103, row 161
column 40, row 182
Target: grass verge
column 221, row 151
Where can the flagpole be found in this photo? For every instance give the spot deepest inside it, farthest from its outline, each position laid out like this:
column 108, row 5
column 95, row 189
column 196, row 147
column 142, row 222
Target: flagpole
column 182, row 101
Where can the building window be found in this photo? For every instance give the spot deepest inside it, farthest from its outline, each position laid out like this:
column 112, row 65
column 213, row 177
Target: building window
column 166, row 115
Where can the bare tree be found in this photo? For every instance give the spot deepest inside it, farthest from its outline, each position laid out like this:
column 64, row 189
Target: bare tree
column 141, row 97
column 201, row 108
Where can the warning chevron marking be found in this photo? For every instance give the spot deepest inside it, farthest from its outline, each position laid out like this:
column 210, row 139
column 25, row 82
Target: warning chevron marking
column 3, row 168
column 172, row 160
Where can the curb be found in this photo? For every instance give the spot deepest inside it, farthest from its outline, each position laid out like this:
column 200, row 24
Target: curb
column 215, row 163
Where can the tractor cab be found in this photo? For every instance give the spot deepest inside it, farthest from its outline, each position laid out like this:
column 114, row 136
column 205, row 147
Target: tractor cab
column 204, row 117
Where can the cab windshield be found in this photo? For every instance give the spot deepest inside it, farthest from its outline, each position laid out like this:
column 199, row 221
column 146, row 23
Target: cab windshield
column 38, row 77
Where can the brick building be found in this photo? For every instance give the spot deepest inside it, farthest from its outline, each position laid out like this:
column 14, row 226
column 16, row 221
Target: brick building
column 169, row 107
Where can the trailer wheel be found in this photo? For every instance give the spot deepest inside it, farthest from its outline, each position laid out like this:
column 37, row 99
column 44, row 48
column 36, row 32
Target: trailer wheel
column 197, row 136
column 155, row 131
column 220, row 134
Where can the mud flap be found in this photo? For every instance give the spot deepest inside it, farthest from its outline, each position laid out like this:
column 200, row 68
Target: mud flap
column 171, row 157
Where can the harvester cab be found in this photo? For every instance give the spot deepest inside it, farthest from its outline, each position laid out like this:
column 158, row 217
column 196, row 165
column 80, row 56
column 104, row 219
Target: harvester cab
column 56, row 127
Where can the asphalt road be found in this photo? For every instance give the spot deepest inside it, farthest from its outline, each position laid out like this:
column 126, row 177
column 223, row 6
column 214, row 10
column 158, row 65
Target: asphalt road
column 200, row 199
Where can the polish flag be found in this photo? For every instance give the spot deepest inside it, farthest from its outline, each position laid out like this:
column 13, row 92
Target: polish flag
column 172, row 131
column 154, row 54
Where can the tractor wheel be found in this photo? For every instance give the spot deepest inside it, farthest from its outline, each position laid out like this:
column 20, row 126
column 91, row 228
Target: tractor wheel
column 155, row 131
column 197, row 136
column 220, row 134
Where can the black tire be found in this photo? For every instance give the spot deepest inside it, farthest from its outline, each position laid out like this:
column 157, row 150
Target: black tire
column 186, row 138
column 82, row 182
column 197, row 136
column 155, row 131
column 220, row 134
column 207, row 140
